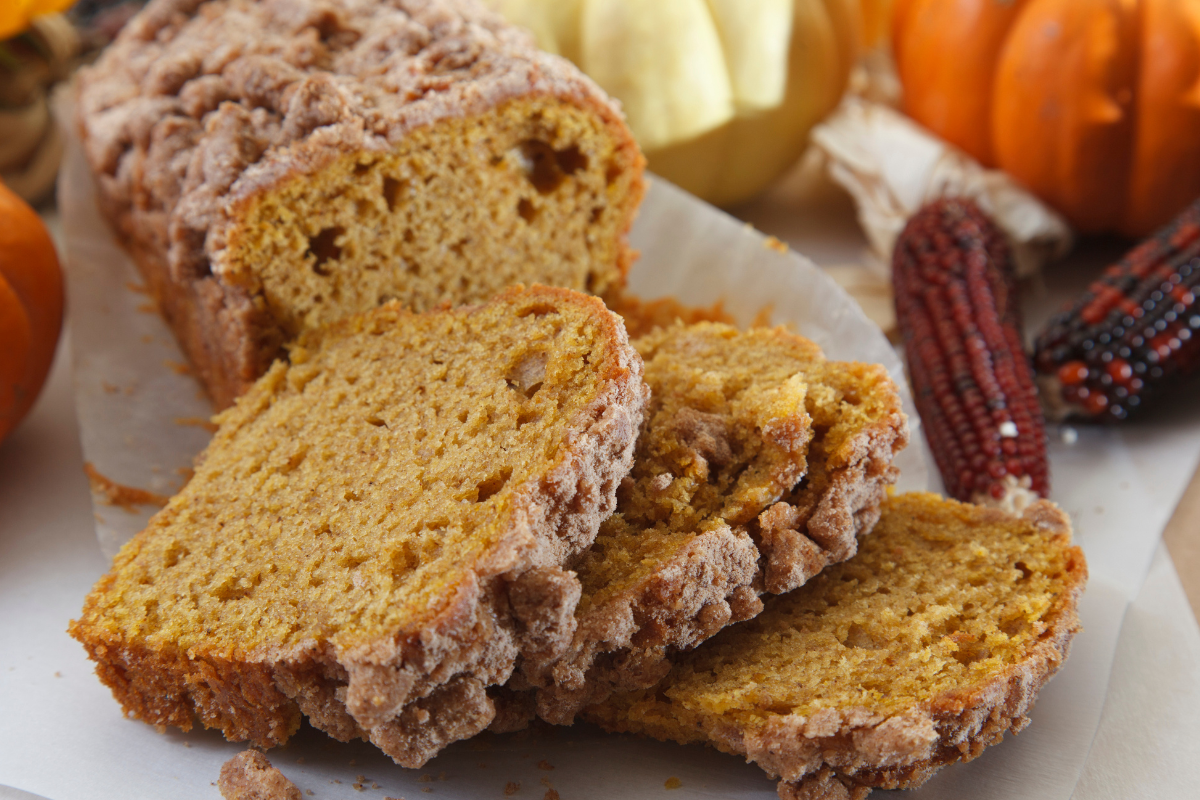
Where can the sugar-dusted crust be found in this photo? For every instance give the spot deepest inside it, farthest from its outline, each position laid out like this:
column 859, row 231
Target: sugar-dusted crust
column 250, row 776
column 838, row 749
column 626, row 642
column 848, row 754
column 199, row 108
column 818, row 523
column 421, row 686
column 712, row 577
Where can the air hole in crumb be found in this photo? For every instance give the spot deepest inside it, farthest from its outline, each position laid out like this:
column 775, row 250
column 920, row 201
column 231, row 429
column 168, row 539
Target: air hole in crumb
column 611, row 173
column 462, row 415
column 489, row 487
column 325, row 248
column 528, row 372
column 571, row 159
column 541, row 167
column 377, row 422
column 392, row 190
column 526, row 210
column 597, row 212
column 362, row 169
column 537, row 310
column 409, row 236
column 857, row 636
column 1026, row 572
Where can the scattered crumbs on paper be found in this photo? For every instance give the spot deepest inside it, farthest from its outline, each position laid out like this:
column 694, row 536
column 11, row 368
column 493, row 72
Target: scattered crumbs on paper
column 673, row 783
column 546, row 782
column 208, row 425
column 308, row 792
column 148, row 308
column 1070, row 436
column 426, row 778
column 109, row 388
column 511, row 788
column 771, row 243
column 137, row 288
column 187, row 744
column 358, row 787
column 335, row 780
column 58, row 674
column 375, row 785
column 551, row 794
column 544, row 764
column 179, row 368
column 359, row 778
column 114, row 494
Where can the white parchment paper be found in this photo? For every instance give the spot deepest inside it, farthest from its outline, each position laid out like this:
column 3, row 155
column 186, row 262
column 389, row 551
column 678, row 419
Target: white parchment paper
column 137, row 413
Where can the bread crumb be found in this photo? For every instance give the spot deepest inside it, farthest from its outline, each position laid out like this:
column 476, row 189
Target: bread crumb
column 138, row 288
column 551, row 794
column 426, row 778
column 250, row 776
column 546, row 782
column 511, row 788
column 308, row 792
column 673, row 783
column 375, row 785
column 426, row 789
column 544, row 764
column 177, row 367
column 771, row 243
column 187, row 744
column 148, row 308
column 58, row 674
column 115, row 494
column 763, row 318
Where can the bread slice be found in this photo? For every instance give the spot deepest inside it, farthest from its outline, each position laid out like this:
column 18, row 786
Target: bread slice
column 275, row 166
column 378, row 529
column 920, row 651
column 727, row 432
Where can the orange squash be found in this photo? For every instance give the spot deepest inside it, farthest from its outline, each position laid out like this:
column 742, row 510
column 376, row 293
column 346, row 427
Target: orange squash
column 1092, row 104
column 31, row 307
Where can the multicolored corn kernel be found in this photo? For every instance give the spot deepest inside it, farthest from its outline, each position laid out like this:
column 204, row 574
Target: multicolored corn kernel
column 956, row 305
column 1134, row 332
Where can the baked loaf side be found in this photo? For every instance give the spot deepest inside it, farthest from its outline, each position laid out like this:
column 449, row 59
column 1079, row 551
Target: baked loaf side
column 921, row 651
column 726, row 434
column 378, row 529
column 277, row 165
column 859, row 426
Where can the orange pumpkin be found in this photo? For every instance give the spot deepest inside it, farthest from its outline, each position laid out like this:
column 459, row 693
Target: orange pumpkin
column 1092, row 104
column 31, row 307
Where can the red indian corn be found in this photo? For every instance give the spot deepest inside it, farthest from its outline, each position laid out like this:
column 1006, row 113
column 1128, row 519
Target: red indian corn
column 956, row 305
column 1134, row 332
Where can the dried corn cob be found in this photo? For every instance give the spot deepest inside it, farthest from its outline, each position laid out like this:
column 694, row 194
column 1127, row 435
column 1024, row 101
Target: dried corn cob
column 956, row 306
column 1133, row 333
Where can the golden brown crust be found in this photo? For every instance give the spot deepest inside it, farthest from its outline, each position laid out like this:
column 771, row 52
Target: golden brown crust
column 200, row 109
column 421, row 684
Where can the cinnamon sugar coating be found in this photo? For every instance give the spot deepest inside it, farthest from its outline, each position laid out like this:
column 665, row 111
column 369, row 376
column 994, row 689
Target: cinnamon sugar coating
column 700, row 528
column 378, row 530
column 921, row 651
column 273, row 166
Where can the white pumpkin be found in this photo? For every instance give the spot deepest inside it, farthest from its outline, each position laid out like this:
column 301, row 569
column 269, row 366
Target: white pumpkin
column 720, row 94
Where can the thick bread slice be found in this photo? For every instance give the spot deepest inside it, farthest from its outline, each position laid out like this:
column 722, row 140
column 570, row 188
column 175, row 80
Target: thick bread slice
column 274, row 166
column 920, row 651
column 378, row 529
column 726, row 434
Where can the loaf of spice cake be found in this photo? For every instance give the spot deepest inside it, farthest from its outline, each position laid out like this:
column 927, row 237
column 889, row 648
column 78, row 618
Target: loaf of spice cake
column 922, row 650
column 379, row 528
column 736, row 421
column 273, row 166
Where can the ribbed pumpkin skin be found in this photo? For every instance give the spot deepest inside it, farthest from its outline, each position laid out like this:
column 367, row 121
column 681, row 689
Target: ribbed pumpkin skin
column 1092, row 104
column 31, row 307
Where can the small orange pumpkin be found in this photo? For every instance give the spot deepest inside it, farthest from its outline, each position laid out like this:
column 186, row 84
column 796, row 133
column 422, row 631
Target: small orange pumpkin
column 31, row 307
column 1092, row 104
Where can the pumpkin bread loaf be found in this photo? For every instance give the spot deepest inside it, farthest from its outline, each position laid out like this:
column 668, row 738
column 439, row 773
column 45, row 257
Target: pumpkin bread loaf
column 726, row 433
column 919, row 652
column 273, row 166
column 378, row 529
